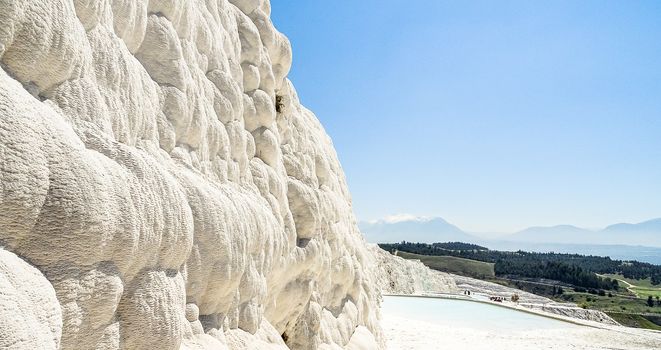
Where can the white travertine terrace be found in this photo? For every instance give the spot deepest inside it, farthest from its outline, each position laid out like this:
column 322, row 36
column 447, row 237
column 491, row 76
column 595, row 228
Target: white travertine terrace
column 163, row 188
column 396, row 275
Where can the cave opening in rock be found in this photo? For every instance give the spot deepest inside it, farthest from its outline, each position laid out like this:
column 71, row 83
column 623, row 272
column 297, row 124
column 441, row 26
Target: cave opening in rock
column 302, row 242
column 279, row 104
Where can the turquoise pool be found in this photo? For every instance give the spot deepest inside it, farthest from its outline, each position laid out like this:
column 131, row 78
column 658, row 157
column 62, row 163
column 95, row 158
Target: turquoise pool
column 468, row 314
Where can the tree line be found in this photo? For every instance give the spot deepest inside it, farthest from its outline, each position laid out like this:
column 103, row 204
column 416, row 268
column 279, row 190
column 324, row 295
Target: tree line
column 576, row 269
column 554, row 270
column 459, row 246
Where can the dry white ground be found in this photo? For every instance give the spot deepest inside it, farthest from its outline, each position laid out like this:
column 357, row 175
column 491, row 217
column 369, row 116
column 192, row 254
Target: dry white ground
column 404, row 334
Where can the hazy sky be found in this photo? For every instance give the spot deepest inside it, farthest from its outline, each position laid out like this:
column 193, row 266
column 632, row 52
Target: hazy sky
column 495, row 115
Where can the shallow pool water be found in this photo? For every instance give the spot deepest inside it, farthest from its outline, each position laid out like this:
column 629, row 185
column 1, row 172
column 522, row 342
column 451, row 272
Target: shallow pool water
column 468, row 314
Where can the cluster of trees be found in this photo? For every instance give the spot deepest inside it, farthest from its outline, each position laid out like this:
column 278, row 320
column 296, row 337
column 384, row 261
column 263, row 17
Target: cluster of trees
column 651, row 303
column 553, row 270
column 599, row 292
column 575, row 269
column 557, row 290
column 637, row 270
column 459, row 246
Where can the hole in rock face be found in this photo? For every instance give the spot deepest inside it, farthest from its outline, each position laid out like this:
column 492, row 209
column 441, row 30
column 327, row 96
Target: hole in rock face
column 211, row 322
column 302, row 242
column 284, row 336
column 279, row 104
column 33, row 89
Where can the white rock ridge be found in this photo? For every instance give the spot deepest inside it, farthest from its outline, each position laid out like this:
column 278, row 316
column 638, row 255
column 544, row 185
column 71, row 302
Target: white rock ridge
column 159, row 171
column 396, row 275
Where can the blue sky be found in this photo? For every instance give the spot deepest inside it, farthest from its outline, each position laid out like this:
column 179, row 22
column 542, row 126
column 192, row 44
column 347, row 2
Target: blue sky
column 495, row 115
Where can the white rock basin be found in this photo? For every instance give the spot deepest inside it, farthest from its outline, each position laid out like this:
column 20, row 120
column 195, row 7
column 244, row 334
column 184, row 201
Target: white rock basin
column 429, row 323
column 468, row 314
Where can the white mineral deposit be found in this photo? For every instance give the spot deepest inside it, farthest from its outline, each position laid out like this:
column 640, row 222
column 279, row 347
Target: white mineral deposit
column 163, row 188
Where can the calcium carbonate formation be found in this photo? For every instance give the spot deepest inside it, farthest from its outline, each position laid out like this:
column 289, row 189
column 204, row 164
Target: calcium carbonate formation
column 163, row 188
column 396, row 275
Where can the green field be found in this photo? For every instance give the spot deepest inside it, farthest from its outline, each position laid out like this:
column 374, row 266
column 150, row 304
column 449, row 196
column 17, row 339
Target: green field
column 459, row 266
column 645, row 292
column 621, row 306
column 642, row 288
column 633, row 320
column 616, row 303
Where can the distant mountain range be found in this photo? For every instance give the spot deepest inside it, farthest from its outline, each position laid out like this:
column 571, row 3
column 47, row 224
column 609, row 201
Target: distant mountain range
column 412, row 229
column 647, row 233
column 624, row 241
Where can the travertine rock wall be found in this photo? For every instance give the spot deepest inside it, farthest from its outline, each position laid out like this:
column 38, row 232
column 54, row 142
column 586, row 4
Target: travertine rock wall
column 396, row 275
column 30, row 315
column 573, row 312
column 160, row 173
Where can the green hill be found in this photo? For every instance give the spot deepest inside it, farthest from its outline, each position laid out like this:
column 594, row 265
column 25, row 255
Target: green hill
column 642, row 288
column 634, row 320
column 459, row 266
